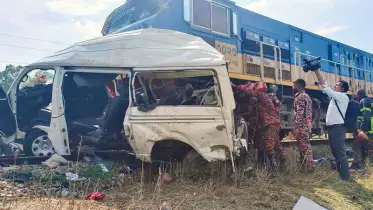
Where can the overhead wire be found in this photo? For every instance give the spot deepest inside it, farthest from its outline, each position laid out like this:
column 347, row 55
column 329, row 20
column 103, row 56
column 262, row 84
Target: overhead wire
column 35, row 39
column 29, row 48
column 25, row 47
column 15, row 62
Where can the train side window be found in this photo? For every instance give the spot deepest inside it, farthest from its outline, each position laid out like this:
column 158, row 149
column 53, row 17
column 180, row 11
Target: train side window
column 268, row 50
column 211, row 16
column 251, row 45
column 285, row 54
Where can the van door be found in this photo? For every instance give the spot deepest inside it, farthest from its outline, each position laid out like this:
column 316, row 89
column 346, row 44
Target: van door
column 8, row 126
column 181, row 106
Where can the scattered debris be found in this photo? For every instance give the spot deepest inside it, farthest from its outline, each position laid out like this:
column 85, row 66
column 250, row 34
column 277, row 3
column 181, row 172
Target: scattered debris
column 95, row 196
column 247, row 169
column 90, row 157
column 320, row 160
column 54, row 161
column 20, row 185
column 73, row 177
column 165, row 178
column 103, row 167
column 307, row 204
column 165, row 206
column 64, row 192
column 124, row 169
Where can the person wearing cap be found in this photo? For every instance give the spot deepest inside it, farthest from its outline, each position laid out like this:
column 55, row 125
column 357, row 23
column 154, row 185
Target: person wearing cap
column 268, row 127
column 362, row 147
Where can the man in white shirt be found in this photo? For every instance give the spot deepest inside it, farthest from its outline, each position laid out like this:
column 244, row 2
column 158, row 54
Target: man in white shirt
column 335, row 122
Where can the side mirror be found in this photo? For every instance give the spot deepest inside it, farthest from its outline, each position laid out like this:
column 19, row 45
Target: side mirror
column 25, row 78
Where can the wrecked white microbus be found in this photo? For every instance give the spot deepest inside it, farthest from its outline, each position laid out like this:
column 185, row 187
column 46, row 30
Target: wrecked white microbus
column 171, row 94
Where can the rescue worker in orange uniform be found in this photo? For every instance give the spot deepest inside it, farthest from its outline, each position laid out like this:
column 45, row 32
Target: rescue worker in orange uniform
column 303, row 123
column 262, row 87
column 268, row 128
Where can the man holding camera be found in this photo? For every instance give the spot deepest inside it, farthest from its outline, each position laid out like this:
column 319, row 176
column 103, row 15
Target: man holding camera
column 335, row 120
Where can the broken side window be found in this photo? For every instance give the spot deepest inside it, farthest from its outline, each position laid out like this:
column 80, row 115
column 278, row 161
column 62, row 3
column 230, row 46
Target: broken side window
column 186, row 88
column 37, row 77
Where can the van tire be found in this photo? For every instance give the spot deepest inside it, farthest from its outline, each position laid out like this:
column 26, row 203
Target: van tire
column 37, row 137
column 194, row 161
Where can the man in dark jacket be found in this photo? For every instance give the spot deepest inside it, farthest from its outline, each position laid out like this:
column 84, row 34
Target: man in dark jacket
column 363, row 149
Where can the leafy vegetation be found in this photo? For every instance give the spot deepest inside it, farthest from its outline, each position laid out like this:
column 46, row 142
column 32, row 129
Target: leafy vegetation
column 9, row 75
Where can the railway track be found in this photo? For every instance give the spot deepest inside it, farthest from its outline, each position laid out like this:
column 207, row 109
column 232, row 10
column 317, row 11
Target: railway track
column 120, row 155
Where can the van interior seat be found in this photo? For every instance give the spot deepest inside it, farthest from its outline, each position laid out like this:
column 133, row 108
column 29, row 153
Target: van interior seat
column 111, row 119
column 83, row 117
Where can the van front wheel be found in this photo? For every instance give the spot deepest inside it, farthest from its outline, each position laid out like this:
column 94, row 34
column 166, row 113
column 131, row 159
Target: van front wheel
column 37, row 143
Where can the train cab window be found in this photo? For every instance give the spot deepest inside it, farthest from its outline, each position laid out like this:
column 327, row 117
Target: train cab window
column 220, row 22
column 202, row 13
column 212, row 16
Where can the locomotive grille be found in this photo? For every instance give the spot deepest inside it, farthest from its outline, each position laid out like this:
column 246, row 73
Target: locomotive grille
column 253, row 69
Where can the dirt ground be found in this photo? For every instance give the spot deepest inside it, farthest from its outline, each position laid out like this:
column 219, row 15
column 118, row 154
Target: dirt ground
column 219, row 189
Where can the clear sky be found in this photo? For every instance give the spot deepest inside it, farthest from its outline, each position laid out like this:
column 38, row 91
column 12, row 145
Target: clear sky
column 70, row 21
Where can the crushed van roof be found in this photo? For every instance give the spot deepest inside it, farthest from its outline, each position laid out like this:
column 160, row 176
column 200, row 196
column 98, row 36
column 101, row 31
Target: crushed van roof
column 140, row 48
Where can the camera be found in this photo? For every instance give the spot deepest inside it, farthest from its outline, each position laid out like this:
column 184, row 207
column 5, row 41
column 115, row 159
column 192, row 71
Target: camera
column 311, row 65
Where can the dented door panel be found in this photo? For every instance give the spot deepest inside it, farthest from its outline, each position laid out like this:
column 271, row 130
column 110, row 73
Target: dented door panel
column 207, row 127
column 201, row 128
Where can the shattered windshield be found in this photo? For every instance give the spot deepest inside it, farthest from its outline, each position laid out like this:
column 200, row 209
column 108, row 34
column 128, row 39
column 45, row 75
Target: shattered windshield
column 176, row 88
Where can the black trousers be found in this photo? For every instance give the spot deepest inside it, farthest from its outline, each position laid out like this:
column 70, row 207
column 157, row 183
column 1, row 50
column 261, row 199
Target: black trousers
column 337, row 137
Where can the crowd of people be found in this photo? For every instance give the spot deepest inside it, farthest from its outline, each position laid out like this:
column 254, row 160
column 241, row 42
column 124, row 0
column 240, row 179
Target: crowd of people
column 261, row 108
